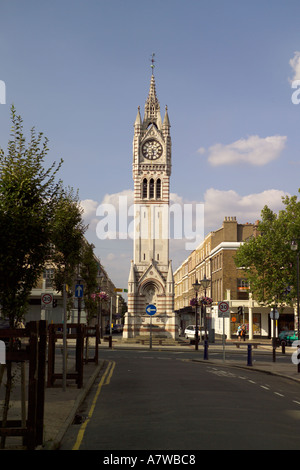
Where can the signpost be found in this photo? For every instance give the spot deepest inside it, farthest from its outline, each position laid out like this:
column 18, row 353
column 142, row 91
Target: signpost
column 79, row 296
column 2, row 352
column 274, row 315
column 223, row 312
column 46, row 300
column 65, row 289
column 78, row 291
column 151, row 310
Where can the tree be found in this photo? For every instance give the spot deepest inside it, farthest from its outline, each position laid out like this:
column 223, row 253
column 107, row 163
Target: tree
column 89, row 271
column 67, row 237
column 27, row 202
column 268, row 261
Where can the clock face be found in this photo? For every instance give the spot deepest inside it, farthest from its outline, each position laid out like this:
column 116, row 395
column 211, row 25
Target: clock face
column 152, row 149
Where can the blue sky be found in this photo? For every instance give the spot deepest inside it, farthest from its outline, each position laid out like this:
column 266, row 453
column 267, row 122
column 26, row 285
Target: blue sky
column 78, row 70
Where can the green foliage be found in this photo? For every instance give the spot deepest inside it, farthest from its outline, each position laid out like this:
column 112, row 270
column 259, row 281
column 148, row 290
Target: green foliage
column 268, row 260
column 27, row 201
column 67, row 237
column 89, row 271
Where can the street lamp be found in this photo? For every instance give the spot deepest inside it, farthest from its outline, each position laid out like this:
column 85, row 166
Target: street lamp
column 78, row 298
column 294, row 247
column 196, row 287
column 205, row 283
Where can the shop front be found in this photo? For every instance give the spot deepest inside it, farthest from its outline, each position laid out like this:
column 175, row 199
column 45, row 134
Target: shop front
column 239, row 320
column 262, row 323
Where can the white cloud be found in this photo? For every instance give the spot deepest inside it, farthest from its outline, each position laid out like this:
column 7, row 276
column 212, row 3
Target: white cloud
column 254, row 151
column 114, row 198
column 111, row 256
column 89, row 207
column 116, row 254
column 219, row 204
column 295, row 64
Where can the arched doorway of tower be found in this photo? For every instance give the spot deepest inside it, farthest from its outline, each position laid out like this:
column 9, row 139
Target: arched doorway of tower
column 151, row 293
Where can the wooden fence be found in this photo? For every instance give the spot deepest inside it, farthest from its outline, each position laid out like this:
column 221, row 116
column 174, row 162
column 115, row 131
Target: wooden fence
column 82, row 332
column 30, row 428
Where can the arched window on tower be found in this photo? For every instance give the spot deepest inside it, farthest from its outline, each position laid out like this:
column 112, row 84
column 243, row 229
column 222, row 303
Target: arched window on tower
column 158, row 189
column 151, row 189
column 145, row 186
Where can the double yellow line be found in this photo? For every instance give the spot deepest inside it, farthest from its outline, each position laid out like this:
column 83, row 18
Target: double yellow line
column 105, row 379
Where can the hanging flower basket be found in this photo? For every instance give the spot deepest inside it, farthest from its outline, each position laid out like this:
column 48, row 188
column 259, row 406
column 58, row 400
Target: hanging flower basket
column 100, row 296
column 206, row 301
column 202, row 301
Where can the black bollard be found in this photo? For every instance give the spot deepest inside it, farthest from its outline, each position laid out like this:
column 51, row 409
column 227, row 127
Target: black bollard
column 205, row 349
column 249, row 355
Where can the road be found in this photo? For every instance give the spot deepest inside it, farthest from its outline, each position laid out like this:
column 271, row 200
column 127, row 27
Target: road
column 155, row 400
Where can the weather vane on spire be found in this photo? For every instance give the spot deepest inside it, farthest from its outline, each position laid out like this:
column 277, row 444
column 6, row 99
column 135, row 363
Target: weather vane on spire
column 152, row 62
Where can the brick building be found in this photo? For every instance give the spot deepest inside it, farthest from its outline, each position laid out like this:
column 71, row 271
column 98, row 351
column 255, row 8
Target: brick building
column 214, row 259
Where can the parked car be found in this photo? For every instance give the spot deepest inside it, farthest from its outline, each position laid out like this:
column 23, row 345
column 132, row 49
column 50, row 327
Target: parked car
column 189, row 332
column 284, row 334
column 4, row 325
column 116, row 329
column 289, row 339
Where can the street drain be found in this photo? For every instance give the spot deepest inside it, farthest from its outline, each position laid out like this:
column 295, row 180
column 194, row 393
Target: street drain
column 79, row 419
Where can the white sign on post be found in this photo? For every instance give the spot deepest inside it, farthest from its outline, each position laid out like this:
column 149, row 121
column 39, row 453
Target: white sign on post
column 274, row 315
column 223, row 312
column 2, row 352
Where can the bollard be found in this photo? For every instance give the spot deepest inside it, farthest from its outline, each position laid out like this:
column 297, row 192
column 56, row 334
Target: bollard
column 205, row 349
column 249, row 355
column 283, row 347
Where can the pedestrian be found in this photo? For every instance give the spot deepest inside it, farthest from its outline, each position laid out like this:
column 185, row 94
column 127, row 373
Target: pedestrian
column 243, row 332
column 239, row 332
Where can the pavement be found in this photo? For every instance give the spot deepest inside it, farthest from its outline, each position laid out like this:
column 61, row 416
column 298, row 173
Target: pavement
column 61, row 405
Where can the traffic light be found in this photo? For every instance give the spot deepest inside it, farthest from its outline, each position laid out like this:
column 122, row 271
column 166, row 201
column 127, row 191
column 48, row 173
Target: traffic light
column 54, row 303
column 240, row 310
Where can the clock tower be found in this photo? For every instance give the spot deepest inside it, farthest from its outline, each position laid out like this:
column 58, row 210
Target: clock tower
column 151, row 276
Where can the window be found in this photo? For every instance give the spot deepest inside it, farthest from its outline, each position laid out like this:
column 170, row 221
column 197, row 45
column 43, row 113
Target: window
column 158, row 189
column 145, row 185
column 243, row 285
column 48, row 276
column 151, row 189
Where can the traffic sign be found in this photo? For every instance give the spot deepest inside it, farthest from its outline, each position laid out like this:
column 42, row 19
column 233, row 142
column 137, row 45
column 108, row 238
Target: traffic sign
column 151, row 309
column 78, row 291
column 223, row 310
column 46, row 300
column 2, row 352
column 276, row 315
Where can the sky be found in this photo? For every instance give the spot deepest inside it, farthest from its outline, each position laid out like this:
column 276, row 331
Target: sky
column 78, row 70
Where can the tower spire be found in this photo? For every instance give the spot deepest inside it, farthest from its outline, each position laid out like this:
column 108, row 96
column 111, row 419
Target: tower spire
column 152, row 62
column 152, row 106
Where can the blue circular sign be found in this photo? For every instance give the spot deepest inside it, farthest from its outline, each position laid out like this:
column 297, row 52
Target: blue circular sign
column 151, row 309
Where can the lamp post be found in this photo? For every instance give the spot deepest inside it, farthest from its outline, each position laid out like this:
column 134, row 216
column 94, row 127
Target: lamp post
column 205, row 283
column 78, row 301
column 294, row 247
column 196, row 287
